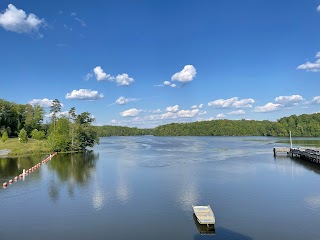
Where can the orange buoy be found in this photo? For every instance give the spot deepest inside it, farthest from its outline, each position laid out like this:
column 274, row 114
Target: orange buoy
column 4, row 184
column 16, row 178
column 10, row 181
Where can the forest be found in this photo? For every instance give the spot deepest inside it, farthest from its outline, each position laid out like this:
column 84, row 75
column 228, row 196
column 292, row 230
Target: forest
column 305, row 125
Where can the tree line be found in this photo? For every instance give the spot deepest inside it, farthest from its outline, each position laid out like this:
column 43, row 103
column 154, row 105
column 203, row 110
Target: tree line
column 63, row 133
column 305, row 125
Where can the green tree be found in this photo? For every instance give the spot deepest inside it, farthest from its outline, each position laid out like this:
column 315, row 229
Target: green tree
column 4, row 137
column 23, row 136
column 54, row 109
column 72, row 117
column 86, row 136
column 38, row 135
column 59, row 139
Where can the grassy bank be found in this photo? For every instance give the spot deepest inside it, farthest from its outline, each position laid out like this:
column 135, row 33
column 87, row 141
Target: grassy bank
column 31, row 147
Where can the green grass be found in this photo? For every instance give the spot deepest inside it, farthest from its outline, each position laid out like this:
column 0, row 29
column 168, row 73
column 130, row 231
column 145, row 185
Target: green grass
column 31, row 147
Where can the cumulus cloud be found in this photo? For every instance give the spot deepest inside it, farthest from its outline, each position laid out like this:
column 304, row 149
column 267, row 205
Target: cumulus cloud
column 174, row 108
column 167, row 83
column 311, row 66
column 187, row 74
column 84, row 94
column 17, row 20
column 203, row 113
column 173, row 114
column 220, row 115
column 122, row 100
column 130, row 112
column 315, row 100
column 187, row 113
column 101, row 75
column 232, row 103
column 269, row 107
column 124, row 79
column 45, row 103
column 289, row 100
column 239, row 112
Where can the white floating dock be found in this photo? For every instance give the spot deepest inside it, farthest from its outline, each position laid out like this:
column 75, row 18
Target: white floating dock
column 204, row 214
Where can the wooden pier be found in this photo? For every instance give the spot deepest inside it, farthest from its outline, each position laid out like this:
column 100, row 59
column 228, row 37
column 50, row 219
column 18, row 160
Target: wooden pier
column 307, row 154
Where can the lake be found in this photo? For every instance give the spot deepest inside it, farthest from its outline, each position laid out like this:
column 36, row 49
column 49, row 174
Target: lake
column 144, row 188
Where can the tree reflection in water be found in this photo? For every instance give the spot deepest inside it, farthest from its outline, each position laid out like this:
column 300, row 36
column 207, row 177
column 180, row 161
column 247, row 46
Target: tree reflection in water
column 73, row 170
column 11, row 167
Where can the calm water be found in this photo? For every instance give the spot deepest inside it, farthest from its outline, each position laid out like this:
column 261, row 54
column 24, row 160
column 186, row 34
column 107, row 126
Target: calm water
column 144, row 188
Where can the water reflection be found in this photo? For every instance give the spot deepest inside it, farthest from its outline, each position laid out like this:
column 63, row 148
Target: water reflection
column 98, row 199
column 203, row 228
column 297, row 142
column 73, row 170
column 11, row 167
column 223, row 233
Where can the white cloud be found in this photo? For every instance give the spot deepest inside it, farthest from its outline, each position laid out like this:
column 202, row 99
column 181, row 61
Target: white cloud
column 196, row 106
column 130, row 112
column 84, row 94
column 167, row 83
column 45, row 103
column 289, row 100
column 122, row 100
column 187, row 74
column 16, row 20
column 269, row 107
column 187, row 113
column 232, row 103
column 167, row 115
column 174, row 108
column 315, row 100
column 220, row 115
column 318, row 8
column 101, row 75
column 239, row 112
column 124, row 79
column 311, row 67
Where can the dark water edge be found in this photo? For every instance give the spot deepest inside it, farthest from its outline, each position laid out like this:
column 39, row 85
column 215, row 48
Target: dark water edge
column 144, row 188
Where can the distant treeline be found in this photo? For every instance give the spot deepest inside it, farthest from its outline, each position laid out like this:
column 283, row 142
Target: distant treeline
column 300, row 126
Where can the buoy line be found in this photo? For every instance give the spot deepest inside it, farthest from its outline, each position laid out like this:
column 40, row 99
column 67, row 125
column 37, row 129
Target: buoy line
column 28, row 171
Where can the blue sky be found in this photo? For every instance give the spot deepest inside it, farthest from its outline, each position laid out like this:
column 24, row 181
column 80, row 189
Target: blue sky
column 146, row 63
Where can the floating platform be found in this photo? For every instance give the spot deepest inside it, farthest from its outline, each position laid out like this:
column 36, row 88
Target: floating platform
column 204, row 215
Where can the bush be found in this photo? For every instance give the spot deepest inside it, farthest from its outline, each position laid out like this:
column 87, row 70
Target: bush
column 4, row 136
column 23, row 137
